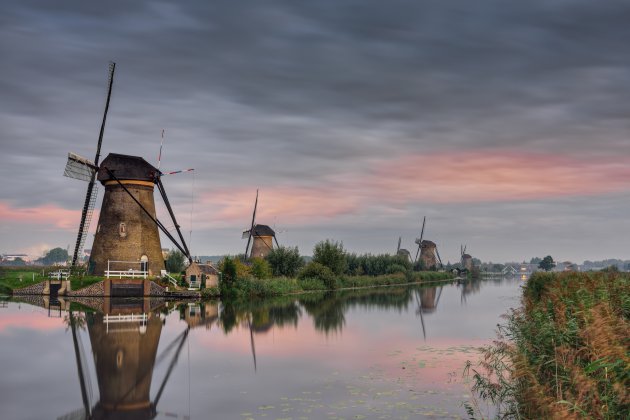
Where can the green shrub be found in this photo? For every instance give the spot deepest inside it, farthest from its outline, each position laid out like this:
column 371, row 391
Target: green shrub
column 376, row 265
column 210, row 292
column 312, row 284
column 285, row 261
column 318, row 271
column 330, row 254
column 396, row 268
column 260, row 268
column 175, row 261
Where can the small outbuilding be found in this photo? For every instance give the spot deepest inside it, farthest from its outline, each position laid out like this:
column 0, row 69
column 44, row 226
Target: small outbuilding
column 198, row 273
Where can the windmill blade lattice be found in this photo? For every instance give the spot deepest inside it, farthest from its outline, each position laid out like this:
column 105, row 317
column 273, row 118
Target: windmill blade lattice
column 78, row 167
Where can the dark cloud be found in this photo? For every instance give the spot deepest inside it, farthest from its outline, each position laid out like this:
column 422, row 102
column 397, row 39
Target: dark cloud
column 305, row 93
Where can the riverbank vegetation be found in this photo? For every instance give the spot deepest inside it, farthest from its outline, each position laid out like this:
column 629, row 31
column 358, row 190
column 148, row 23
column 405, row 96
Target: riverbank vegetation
column 331, row 268
column 565, row 353
column 16, row 277
column 12, row 278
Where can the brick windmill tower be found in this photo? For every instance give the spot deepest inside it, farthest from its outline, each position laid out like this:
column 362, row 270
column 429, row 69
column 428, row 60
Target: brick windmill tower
column 263, row 237
column 427, row 250
column 127, row 237
column 126, row 230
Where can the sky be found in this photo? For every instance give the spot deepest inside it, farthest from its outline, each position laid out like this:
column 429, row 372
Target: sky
column 506, row 124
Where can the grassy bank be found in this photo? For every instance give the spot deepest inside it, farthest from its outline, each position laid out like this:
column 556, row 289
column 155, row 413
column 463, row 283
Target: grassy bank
column 247, row 287
column 17, row 277
column 565, row 353
column 12, row 278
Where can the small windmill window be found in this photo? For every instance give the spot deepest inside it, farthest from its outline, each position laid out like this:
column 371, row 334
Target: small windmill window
column 122, row 230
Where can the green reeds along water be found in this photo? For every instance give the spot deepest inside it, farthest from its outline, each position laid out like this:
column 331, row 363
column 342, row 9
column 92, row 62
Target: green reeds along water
column 565, row 353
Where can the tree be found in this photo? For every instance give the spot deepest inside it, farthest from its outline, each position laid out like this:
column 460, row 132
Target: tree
column 547, row 263
column 535, row 260
column 175, row 261
column 285, row 261
column 330, row 254
column 55, row 255
column 17, row 262
column 317, row 271
column 260, row 268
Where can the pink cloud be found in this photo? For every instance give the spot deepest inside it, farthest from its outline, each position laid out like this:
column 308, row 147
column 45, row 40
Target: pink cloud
column 446, row 177
column 47, row 214
column 291, row 203
column 495, row 176
column 28, row 320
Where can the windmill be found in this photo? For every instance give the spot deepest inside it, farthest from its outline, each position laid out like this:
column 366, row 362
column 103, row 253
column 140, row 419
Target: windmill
column 402, row 251
column 427, row 250
column 466, row 260
column 263, row 235
column 127, row 232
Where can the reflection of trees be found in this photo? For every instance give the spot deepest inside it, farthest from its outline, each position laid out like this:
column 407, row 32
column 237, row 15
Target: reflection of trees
column 327, row 311
column 264, row 313
column 470, row 287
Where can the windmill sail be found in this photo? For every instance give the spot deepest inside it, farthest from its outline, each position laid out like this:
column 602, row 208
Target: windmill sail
column 251, row 229
column 90, row 195
column 419, row 241
column 80, row 168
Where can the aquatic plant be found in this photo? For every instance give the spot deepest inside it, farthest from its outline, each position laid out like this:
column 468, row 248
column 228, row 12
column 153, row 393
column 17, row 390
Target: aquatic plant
column 564, row 354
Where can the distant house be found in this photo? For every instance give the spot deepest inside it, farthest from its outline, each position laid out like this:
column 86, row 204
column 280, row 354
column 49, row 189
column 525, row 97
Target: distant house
column 198, row 273
column 13, row 257
column 566, row 266
column 528, row 268
column 509, row 270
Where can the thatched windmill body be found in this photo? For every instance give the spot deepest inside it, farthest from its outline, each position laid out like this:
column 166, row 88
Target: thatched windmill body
column 261, row 237
column 427, row 251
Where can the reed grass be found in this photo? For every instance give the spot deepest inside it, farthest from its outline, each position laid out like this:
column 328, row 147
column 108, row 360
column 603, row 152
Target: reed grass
column 564, row 354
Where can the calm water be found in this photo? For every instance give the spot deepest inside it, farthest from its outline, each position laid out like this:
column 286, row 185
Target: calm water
column 385, row 353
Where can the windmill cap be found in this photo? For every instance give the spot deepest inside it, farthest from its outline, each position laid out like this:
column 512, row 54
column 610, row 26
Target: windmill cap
column 125, row 167
column 263, row 230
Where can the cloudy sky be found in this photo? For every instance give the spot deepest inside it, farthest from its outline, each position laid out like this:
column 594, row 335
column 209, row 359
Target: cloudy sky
column 505, row 123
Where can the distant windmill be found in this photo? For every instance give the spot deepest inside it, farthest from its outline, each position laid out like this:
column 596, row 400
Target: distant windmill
column 427, row 250
column 128, row 228
column 263, row 236
column 402, row 251
column 466, row 260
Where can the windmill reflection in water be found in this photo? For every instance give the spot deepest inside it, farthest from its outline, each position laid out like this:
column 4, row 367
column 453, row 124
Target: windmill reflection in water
column 124, row 342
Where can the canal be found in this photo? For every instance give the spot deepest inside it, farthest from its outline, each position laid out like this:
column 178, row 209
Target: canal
column 381, row 353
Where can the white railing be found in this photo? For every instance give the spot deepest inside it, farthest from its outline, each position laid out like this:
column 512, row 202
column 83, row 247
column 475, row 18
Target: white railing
column 129, row 273
column 59, row 275
column 120, row 319
column 125, row 273
column 168, row 277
